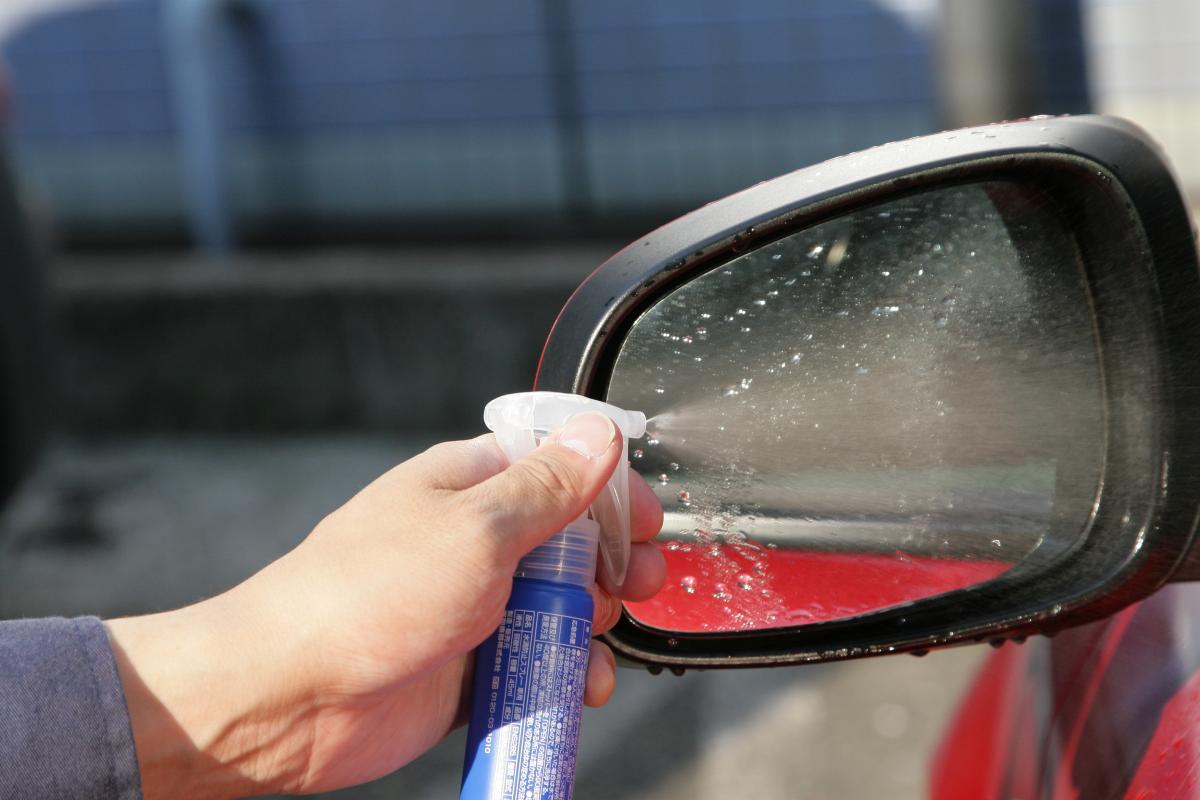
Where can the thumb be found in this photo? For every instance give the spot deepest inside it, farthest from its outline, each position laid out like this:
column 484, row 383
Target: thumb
column 540, row 494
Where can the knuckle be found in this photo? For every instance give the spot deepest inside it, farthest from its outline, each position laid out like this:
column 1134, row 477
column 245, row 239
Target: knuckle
column 551, row 477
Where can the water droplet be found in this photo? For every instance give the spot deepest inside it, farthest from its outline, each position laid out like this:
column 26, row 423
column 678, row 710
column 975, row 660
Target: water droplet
column 652, row 442
column 773, row 293
column 664, row 478
column 937, row 248
column 940, row 320
column 772, row 545
column 760, row 302
column 672, row 545
column 666, row 334
column 720, row 592
column 996, row 543
column 777, row 256
column 702, row 331
column 744, row 581
column 638, row 453
column 688, row 584
column 705, row 315
column 842, row 313
column 796, row 357
column 686, row 340
column 971, row 253
column 883, row 311
column 697, row 358
column 659, row 390
column 862, row 370
column 885, row 273
column 815, row 251
column 741, row 312
column 731, row 391
column 807, row 337
column 745, row 329
column 745, row 384
column 920, row 272
column 685, row 497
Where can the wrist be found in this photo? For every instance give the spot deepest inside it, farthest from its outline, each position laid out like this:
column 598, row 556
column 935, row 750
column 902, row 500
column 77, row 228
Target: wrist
column 214, row 712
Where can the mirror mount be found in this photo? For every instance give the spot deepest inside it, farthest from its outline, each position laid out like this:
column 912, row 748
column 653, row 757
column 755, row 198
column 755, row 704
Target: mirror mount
column 1112, row 189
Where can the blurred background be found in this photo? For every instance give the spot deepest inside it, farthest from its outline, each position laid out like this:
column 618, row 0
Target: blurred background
column 253, row 252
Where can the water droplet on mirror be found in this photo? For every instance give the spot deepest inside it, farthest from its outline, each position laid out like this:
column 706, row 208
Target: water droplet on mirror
column 807, row 337
column 745, row 329
column 885, row 273
column 685, row 497
column 996, row 543
column 674, row 466
column 744, row 581
column 777, row 256
column 686, row 340
column 672, row 545
column 702, row 331
column 940, row 320
column 705, row 315
column 815, row 251
column 760, row 302
column 688, row 584
column 721, row 593
column 773, row 293
column 745, row 384
column 659, row 390
column 796, row 357
column 741, row 312
column 638, row 453
column 652, row 442
column 664, row 478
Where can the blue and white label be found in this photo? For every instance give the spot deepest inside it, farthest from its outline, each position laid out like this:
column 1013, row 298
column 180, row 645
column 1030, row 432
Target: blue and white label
column 535, row 703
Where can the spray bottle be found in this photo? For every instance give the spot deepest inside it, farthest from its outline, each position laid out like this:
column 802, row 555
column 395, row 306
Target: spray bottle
column 527, row 696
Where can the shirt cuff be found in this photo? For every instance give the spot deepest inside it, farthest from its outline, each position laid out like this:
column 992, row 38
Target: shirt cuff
column 66, row 730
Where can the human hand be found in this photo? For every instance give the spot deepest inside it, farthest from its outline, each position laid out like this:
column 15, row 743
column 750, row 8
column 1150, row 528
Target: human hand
column 351, row 655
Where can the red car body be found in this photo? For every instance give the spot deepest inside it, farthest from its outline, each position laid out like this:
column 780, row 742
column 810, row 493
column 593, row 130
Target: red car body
column 1107, row 710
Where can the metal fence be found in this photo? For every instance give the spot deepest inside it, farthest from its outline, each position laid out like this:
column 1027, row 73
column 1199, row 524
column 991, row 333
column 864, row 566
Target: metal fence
column 403, row 117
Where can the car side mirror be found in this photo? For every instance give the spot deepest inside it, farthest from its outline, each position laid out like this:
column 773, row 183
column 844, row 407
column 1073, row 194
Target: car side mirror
column 940, row 391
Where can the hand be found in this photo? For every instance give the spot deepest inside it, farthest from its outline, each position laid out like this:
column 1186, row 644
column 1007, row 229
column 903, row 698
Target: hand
column 351, row 655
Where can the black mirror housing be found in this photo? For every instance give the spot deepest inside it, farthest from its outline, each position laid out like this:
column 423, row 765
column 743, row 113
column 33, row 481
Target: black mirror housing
column 1109, row 185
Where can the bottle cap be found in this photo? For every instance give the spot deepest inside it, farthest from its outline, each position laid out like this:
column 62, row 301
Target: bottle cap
column 521, row 421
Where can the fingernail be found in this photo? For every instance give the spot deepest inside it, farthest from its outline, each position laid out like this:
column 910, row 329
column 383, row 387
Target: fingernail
column 589, row 434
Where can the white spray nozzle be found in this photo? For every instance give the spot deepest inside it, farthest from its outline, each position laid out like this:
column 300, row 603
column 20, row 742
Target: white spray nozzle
column 521, row 421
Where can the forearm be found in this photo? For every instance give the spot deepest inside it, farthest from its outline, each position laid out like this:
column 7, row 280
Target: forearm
column 213, row 713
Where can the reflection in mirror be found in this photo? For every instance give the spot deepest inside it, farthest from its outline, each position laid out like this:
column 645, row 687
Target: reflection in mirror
column 881, row 408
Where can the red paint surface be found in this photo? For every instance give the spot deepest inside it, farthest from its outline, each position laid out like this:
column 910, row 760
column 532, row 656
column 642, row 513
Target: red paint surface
column 973, row 757
column 1171, row 766
column 740, row 586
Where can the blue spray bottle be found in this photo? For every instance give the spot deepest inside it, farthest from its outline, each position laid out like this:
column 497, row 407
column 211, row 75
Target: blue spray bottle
column 527, row 696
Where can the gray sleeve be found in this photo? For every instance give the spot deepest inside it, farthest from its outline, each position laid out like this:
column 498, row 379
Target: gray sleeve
column 64, row 726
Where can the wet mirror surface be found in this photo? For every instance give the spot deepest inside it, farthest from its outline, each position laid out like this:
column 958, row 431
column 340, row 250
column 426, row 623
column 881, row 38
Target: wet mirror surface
column 884, row 407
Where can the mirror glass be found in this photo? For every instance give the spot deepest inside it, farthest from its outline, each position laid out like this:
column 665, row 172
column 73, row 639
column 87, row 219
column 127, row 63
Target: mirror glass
column 887, row 406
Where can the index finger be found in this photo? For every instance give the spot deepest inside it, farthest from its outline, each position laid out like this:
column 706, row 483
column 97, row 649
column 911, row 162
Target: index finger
column 645, row 511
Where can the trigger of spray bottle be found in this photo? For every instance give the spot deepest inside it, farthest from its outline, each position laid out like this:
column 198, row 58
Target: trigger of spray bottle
column 521, row 421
